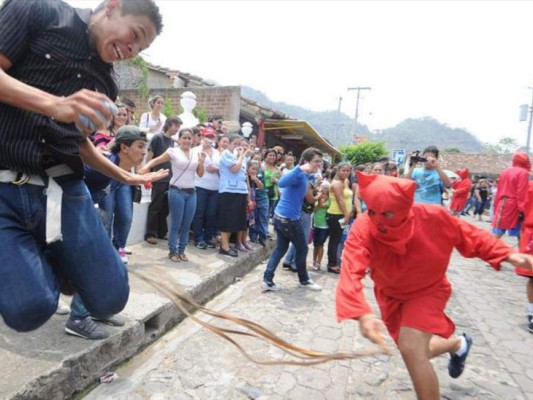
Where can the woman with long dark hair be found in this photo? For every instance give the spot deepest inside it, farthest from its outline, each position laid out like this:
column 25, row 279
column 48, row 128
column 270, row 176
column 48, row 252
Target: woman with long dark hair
column 182, row 194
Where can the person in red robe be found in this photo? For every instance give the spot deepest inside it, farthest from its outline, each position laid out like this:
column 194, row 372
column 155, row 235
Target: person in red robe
column 461, row 190
column 526, row 246
column 510, row 200
column 408, row 247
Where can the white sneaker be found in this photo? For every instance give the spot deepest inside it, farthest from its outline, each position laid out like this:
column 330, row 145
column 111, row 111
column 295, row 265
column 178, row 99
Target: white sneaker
column 270, row 287
column 123, row 256
column 62, row 308
column 311, row 285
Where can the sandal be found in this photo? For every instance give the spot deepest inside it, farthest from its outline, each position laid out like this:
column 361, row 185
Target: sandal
column 174, row 257
column 151, row 240
column 334, row 269
column 316, row 266
column 183, row 257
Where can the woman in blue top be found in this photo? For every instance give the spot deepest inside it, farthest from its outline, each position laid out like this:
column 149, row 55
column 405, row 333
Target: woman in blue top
column 287, row 222
column 232, row 195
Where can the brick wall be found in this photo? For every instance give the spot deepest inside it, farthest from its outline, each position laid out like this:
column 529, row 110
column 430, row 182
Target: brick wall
column 223, row 100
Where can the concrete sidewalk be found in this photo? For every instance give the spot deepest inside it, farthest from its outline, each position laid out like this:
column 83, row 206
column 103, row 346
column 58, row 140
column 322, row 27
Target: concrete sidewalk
column 49, row 364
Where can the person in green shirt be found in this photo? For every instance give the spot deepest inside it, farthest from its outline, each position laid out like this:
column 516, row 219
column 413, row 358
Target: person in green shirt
column 320, row 225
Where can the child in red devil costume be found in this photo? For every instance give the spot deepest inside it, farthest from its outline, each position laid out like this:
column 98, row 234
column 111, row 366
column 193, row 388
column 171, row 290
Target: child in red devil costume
column 526, row 246
column 394, row 239
column 461, row 190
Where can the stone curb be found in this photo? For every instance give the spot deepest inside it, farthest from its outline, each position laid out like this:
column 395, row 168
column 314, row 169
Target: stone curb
column 78, row 372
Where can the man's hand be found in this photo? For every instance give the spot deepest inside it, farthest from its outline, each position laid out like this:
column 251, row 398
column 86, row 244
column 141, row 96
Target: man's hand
column 372, row 328
column 141, row 179
column 212, row 168
column 84, row 102
column 521, row 260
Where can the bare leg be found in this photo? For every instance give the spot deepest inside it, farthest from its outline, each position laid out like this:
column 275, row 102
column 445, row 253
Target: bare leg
column 415, row 350
column 438, row 345
column 320, row 254
column 224, row 240
column 530, row 290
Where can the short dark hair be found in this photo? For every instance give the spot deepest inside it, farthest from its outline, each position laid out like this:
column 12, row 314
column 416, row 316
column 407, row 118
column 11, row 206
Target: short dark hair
column 309, row 153
column 129, row 103
column 139, row 7
column 431, row 149
column 170, row 121
column 215, row 117
column 128, row 143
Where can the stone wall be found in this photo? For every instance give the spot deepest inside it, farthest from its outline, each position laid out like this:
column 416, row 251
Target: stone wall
column 223, row 100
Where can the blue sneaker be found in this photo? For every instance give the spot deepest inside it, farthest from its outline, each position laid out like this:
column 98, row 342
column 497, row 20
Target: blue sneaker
column 456, row 366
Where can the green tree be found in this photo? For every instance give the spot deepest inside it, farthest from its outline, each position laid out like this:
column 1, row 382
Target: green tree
column 363, row 152
column 452, row 150
column 508, row 144
column 168, row 111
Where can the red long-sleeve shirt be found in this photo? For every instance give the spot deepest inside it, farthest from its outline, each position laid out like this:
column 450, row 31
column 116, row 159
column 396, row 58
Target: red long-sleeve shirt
column 421, row 272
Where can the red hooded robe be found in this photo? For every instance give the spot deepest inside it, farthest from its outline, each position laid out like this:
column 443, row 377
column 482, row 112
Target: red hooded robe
column 461, row 191
column 408, row 256
column 512, row 192
column 526, row 236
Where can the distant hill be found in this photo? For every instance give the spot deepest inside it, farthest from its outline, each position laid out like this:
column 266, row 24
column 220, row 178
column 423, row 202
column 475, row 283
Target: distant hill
column 410, row 134
column 324, row 122
column 419, row 133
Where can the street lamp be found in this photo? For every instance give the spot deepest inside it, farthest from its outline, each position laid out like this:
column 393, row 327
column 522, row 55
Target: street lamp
column 247, row 129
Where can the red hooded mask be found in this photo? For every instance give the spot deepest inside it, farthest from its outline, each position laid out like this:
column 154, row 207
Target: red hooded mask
column 389, row 201
column 463, row 173
column 521, row 159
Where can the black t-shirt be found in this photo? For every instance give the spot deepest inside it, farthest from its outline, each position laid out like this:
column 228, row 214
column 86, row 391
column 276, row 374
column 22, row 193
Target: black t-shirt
column 158, row 145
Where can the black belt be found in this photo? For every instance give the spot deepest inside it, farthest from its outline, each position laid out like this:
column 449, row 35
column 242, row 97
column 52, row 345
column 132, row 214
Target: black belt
column 186, row 190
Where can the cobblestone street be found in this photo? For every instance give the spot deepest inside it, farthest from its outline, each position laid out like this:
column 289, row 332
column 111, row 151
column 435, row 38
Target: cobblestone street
column 192, row 363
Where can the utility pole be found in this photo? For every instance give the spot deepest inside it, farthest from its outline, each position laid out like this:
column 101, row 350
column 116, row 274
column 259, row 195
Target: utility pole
column 337, row 121
column 529, row 126
column 359, row 88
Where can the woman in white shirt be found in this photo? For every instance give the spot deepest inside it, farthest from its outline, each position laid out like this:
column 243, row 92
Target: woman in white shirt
column 182, row 194
column 152, row 122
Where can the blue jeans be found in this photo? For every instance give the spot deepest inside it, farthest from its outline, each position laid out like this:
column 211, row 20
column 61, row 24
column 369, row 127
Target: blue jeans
column 288, row 231
column 182, row 206
column 29, row 289
column 290, row 258
column 204, row 223
column 118, row 206
column 260, row 228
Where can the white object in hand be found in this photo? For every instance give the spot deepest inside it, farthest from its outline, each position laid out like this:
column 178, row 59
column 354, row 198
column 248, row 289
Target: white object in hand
column 86, row 122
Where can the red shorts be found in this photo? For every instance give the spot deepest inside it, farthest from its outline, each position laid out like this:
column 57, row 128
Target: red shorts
column 425, row 313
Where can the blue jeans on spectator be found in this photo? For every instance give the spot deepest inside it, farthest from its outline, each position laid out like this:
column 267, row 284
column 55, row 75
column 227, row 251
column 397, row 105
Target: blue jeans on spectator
column 205, row 218
column 288, row 231
column 306, row 219
column 469, row 204
column 118, row 206
column 182, row 206
column 260, row 228
column 29, row 267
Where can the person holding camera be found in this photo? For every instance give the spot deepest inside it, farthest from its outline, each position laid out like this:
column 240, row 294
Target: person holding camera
column 431, row 179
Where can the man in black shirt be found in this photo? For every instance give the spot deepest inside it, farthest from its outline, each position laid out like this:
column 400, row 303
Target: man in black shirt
column 55, row 66
column 156, row 220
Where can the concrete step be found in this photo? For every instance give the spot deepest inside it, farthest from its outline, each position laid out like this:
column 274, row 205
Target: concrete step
column 49, row 364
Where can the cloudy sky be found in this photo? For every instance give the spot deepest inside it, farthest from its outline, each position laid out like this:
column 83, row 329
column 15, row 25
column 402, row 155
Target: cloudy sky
column 468, row 64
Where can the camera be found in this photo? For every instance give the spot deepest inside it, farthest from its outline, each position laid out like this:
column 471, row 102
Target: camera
column 416, row 158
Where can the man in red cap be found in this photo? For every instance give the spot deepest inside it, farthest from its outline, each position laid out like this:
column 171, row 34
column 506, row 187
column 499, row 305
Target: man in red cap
column 394, row 239
column 510, row 200
column 461, row 189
